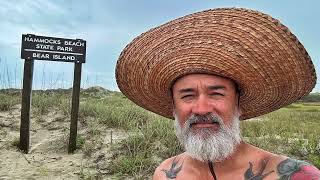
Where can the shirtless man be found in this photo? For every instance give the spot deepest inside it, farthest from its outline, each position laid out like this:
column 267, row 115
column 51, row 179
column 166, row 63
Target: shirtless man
column 208, row 71
column 207, row 124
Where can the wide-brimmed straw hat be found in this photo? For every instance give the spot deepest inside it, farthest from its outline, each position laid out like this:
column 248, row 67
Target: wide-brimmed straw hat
column 267, row 62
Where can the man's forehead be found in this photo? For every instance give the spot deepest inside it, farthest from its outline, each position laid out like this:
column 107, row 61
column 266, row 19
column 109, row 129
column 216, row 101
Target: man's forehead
column 204, row 78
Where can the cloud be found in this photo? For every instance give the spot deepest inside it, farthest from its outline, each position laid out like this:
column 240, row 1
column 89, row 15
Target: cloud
column 109, row 25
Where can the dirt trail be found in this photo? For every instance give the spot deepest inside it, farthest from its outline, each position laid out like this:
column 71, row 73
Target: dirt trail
column 48, row 157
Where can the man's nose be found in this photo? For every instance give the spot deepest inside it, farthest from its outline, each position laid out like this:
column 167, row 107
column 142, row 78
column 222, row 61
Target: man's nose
column 202, row 106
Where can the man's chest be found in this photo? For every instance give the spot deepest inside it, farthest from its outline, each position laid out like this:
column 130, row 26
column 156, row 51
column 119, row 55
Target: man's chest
column 227, row 176
column 232, row 174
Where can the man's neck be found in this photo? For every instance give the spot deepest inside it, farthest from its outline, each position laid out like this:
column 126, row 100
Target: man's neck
column 236, row 159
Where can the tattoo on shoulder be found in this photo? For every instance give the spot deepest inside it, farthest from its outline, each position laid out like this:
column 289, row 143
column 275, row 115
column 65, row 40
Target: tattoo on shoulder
column 292, row 169
column 174, row 169
column 249, row 175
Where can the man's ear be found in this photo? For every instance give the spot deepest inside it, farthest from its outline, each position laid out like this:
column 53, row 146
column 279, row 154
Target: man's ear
column 240, row 111
column 238, row 105
column 173, row 111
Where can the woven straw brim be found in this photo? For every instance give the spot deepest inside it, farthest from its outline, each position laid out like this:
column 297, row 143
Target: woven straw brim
column 260, row 54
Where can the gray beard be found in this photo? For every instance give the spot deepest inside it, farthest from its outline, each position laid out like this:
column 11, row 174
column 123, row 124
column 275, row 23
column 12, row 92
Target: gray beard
column 204, row 144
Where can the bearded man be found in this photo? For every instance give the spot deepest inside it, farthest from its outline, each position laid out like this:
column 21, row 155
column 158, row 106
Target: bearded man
column 208, row 71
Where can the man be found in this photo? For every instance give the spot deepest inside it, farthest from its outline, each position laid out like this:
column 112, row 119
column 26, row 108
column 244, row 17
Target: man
column 208, row 71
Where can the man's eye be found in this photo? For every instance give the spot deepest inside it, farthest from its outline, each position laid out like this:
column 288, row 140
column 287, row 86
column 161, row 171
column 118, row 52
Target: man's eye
column 188, row 96
column 216, row 94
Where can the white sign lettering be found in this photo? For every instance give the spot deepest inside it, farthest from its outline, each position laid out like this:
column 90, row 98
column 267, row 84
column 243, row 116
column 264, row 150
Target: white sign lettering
column 68, row 49
column 72, row 43
column 64, row 57
column 45, row 46
column 51, row 48
column 40, row 56
column 40, row 40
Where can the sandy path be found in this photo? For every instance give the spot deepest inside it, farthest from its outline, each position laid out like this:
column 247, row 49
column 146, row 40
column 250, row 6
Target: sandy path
column 47, row 157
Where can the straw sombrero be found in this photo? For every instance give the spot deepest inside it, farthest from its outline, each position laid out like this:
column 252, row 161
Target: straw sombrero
column 269, row 64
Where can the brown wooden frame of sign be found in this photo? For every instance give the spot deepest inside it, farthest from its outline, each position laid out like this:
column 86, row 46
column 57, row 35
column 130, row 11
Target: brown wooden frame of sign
column 26, row 104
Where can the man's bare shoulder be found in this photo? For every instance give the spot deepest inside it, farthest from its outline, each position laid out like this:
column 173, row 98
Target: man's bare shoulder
column 292, row 169
column 169, row 168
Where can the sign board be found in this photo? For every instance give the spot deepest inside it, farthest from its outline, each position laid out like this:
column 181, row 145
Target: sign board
column 53, row 49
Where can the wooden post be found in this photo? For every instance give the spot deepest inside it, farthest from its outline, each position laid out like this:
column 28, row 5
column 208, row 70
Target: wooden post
column 75, row 107
column 25, row 107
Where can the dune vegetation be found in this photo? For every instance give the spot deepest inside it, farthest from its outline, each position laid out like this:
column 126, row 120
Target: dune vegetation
column 119, row 140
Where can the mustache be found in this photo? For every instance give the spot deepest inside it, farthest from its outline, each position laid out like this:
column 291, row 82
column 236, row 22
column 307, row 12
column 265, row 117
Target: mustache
column 206, row 118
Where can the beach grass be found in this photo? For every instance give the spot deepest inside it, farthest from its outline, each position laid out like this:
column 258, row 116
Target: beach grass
column 292, row 131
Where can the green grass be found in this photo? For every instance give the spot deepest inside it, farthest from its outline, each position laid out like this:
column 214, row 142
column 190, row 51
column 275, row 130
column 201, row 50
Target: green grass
column 7, row 101
column 292, row 131
column 80, row 141
column 113, row 112
column 43, row 103
column 144, row 150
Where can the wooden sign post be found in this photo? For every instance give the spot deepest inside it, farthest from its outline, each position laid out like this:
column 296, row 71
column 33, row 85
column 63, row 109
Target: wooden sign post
column 75, row 108
column 25, row 107
column 51, row 49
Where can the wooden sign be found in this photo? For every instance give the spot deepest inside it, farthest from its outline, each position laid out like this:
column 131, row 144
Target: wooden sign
column 53, row 49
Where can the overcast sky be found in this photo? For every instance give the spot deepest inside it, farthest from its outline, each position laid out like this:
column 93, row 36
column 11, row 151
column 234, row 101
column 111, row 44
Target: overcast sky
column 108, row 25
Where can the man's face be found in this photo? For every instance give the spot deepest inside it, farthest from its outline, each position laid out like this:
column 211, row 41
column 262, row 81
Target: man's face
column 201, row 94
column 207, row 116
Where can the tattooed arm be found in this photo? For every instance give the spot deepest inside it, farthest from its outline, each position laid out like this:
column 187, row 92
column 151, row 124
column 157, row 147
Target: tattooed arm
column 169, row 169
column 292, row 169
column 158, row 175
column 284, row 169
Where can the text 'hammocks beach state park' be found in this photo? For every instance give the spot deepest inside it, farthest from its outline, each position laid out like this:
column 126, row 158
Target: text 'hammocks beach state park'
column 53, row 49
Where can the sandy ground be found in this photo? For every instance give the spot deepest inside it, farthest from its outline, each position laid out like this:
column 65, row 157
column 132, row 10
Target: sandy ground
column 48, row 157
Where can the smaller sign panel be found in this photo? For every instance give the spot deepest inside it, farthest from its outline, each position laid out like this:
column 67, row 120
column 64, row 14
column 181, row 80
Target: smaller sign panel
column 53, row 49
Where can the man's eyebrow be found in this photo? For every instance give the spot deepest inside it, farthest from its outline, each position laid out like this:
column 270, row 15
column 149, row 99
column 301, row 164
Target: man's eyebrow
column 186, row 90
column 216, row 87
